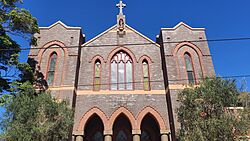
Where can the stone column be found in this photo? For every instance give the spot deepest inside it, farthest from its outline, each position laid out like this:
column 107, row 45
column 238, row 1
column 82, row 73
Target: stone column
column 73, row 138
column 108, row 135
column 79, row 138
column 164, row 137
column 107, row 138
column 136, row 135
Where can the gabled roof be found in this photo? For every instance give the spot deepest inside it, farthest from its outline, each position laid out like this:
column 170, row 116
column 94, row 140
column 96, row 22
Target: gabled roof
column 60, row 23
column 182, row 24
column 114, row 26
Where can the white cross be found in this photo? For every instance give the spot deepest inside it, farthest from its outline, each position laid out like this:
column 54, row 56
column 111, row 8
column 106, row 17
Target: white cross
column 121, row 5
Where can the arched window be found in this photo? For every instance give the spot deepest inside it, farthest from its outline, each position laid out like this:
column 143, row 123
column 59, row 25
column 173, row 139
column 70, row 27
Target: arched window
column 121, row 72
column 52, row 67
column 97, row 75
column 150, row 130
column 122, row 130
column 189, row 68
column 145, row 67
column 94, row 129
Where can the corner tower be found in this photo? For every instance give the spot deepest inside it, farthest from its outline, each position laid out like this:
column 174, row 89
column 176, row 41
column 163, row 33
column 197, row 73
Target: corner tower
column 56, row 59
column 187, row 58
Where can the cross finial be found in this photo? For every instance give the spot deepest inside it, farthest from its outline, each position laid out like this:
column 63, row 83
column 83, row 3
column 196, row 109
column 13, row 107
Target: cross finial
column 121, row 5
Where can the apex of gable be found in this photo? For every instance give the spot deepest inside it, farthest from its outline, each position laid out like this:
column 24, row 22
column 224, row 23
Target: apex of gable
column 62, row 24
column 182, row 24
column 130, row 31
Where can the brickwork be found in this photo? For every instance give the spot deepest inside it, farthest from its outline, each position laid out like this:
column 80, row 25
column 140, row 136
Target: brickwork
column 57, row 38
column 75, row 71
column 174, row 56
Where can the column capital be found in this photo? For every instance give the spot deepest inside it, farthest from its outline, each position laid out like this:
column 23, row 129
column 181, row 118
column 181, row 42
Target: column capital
column 107, row 132
column 136, row 132
column 165, row 132
column 78, row 133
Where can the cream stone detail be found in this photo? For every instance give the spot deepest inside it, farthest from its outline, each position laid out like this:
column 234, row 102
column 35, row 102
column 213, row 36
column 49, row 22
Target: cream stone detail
column 134, row 132
column 108, row 138
column 165, row 131
column 181, row 87
column 77, row 132
column 108, row 132
column 164, row 137
column 61, row 88
column 83, row 92
column 136, row 137
column 79, row 138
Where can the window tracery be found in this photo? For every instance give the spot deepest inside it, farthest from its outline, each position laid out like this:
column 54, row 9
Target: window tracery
column 121, row 72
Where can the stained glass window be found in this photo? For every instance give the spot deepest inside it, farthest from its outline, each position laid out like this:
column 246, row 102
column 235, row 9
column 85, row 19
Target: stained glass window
column 145, row 75
column 97, row 76
column 51, row 70
column 121, row 72
column 189, row 68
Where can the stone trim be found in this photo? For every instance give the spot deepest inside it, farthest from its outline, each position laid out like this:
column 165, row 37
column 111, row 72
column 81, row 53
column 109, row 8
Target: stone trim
column 180, row 24
column 158, row 118
column 62, row 24
column 88, row 115
column 165, row 132
column 136, row 132
column 195, row 48
column 65, row 55
column 117, row 113
column 77, row 133
column 62, row 88
column 90, row 92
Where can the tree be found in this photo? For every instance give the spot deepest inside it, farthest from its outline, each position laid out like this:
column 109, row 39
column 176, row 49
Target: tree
column 204, row 114
column 29, row 115
column 32, row 117
column 14, row 21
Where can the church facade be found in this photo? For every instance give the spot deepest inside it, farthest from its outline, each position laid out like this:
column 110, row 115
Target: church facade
column 122, row 85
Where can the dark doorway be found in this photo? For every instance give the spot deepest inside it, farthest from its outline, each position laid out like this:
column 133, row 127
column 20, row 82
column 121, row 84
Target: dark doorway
column 94, row 129
column 122, row 130
column 150, row 129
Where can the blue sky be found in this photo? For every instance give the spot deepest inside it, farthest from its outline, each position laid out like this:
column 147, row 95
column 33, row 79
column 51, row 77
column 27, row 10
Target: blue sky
column 221, row 18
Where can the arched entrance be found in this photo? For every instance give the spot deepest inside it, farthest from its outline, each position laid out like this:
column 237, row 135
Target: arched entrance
column 150, row 129
column 122, row 130
column 94, row 129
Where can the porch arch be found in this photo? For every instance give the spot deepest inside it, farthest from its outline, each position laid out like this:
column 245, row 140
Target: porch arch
column 125, row 112
column 158, row 118
column 88, row 115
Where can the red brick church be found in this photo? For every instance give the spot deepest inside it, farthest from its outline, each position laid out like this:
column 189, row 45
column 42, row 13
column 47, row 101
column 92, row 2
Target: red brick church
column 122, row 85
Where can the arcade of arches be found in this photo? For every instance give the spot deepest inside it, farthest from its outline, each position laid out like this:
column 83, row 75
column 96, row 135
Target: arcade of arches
column 146, row 127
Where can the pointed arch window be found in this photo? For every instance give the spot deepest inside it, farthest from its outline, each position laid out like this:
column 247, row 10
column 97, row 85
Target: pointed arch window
column 121, row 72
column 189, row 68
column 52, row 67
column 145, row 67
column 97, row 75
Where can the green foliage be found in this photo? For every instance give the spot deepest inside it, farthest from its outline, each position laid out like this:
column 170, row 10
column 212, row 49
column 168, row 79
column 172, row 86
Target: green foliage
column 204, row 113
column 29, row 116
column 14, row 21
column 244, row 99
column 33, row 117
